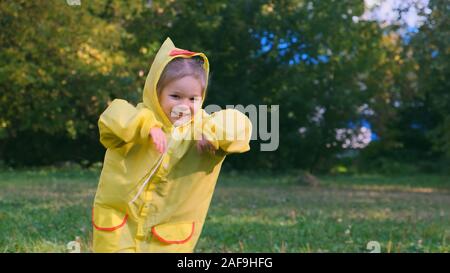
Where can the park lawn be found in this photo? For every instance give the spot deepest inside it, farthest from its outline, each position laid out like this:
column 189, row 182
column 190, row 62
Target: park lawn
column 41, row 210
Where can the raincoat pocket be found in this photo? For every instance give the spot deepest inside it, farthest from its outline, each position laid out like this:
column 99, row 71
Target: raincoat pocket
column 174, row 233
column 108, row 219
column 111, row 229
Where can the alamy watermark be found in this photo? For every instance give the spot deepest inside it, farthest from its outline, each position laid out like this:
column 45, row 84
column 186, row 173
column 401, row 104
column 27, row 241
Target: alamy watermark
column 231, row 126
column 73, row 2
column 74, row 246
column 374, row 247
column 259, row 117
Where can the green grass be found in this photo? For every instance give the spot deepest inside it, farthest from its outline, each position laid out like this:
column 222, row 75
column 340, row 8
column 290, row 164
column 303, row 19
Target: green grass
column 42, row 210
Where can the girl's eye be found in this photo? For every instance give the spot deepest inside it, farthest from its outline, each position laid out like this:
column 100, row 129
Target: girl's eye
column 175, row 96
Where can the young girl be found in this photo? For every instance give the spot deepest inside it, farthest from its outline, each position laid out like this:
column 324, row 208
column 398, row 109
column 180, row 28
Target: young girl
column 163, row 158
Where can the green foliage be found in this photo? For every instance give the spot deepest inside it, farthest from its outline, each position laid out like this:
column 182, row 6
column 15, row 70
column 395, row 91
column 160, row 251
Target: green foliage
column 417, row 128
column 60, row 65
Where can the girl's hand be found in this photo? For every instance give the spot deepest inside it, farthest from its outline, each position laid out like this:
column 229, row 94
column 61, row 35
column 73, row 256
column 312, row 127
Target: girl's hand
column 204, row 145
column 159, row 139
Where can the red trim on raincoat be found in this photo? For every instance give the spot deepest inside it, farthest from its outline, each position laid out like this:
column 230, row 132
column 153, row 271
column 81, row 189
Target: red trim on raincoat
column 176, row 52
column 109, row 228
column 173, row 242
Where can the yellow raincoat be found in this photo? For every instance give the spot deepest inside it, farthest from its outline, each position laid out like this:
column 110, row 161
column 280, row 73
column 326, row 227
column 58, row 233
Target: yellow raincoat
column 152, row 202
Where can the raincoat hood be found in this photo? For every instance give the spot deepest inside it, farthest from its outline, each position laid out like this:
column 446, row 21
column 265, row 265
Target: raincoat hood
column 167, row 53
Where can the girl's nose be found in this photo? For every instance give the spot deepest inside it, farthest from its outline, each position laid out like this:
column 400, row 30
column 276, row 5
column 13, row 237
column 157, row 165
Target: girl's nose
column 187, row 102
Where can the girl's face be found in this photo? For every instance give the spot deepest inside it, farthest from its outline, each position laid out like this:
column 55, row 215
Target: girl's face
column 180, row 99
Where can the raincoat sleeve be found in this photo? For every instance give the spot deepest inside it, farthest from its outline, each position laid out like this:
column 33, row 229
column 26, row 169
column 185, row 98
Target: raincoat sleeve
column 123, row 123
column 230, row 130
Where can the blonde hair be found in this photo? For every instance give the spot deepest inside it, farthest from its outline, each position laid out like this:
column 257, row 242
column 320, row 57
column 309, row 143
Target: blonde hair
column 181, row 67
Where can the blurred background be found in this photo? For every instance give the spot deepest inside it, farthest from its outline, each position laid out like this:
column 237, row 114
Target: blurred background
column 361, row 84
column 362, row 88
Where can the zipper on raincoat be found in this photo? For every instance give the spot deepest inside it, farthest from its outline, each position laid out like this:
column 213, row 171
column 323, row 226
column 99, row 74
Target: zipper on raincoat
column 152, row 172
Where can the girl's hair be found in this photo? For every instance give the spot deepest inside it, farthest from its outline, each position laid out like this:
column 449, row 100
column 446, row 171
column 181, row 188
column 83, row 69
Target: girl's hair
column 181, row 67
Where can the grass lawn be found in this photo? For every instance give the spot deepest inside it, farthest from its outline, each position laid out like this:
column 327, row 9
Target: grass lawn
column 42, row 210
